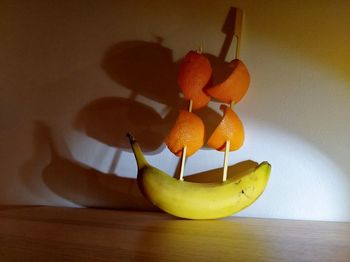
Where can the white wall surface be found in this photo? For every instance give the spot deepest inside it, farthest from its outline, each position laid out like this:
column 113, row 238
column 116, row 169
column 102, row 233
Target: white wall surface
column 75, row 76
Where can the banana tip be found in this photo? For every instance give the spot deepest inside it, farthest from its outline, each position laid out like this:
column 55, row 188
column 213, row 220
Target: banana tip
column 266, row 164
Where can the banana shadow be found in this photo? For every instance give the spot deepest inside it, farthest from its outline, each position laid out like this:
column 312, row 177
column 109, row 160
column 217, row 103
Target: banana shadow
column 90, row 188
column 30, row 172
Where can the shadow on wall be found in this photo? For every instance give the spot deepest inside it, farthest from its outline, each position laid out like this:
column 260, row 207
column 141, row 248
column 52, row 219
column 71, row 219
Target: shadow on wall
column 83, row 185
column 149, row 72
column 152, row 78
column 145, row 68
column 109, row 119
column 90, row 188
column 30, row 171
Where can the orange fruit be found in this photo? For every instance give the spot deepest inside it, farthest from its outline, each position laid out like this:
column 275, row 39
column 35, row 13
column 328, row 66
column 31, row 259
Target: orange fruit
column 230, row 128
column 194, row 74
column 234, row 87
column 187, row 131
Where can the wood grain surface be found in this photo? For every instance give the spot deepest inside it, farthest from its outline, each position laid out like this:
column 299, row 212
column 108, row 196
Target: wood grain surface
column 72, row 234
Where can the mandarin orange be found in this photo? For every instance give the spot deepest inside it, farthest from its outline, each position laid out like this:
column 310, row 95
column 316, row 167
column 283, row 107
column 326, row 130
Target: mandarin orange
column 230, row 128
column 188, row 130
column 194, row 74
column 234, row 87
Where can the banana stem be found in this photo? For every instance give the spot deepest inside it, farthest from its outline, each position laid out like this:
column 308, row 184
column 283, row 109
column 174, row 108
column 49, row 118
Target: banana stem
column 140, row 158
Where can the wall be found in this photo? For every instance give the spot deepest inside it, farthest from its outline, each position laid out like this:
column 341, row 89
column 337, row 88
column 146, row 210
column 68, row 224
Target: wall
column 77, row 75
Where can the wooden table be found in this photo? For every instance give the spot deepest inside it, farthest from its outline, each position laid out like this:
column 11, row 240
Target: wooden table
column 71, row 234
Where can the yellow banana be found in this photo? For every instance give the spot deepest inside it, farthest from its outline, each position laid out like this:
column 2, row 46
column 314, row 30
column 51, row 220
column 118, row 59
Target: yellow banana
column 199, row 200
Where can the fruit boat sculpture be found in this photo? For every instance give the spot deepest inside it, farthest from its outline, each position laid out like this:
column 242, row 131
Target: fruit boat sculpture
column 203, row 200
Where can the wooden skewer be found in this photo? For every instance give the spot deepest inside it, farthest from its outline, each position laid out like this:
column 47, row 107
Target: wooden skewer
column 200, row 50
column 238, row 18
column 190, row 106
column 227, row 151
column 238, row 30
column 184, row 150
column 183, row 160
